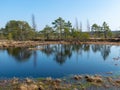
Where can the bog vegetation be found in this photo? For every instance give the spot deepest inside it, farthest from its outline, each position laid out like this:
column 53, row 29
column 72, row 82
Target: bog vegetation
column 59, row 30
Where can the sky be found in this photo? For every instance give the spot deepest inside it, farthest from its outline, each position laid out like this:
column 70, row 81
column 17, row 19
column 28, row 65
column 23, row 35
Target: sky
column 46, row 11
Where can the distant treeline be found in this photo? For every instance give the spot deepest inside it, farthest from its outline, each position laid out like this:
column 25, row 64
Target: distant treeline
column 60, row 30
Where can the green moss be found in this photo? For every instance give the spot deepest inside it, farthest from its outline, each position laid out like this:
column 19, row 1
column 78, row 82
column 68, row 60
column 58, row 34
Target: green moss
column 40, row 79
column 85, row 85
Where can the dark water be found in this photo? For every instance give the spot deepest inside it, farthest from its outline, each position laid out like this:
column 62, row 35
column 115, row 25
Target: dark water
column 59, row 60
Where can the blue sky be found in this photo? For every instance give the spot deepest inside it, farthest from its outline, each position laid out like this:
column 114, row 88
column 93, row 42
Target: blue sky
column 46, row 11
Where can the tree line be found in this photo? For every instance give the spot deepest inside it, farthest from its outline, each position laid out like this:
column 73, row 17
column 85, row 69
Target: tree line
column 60, row 30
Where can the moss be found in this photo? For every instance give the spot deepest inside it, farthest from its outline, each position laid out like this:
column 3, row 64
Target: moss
column 87, row 84
column 40, row 79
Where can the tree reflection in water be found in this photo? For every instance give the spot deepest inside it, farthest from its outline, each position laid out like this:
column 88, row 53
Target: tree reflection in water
column 96, row 48
column 47, row 49
column 104, row 49
column 20, row 54
column 60, row 52
column 35, row 58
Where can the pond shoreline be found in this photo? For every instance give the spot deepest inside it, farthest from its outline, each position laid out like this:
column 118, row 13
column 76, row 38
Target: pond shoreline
column 76, row 82
column 7, row 44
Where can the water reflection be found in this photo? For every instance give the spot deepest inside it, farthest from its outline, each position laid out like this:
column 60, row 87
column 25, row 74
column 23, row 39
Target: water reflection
column 60, row 52
column 35, row 58
column 103, row 49
column 59, row 60
column 47, row 49
column 20, row 54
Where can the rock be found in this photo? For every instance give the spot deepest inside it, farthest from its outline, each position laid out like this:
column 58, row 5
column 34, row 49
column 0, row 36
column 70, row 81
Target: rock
column 110, row 79
column 117, row 81
column 80, row 77
column 15, row 80
column 23, row 87
column 87, row 76
column 58, row 80
column 54, row 83
column 41, row 87
column 90, row 79
column 98, row 79
column 49, row 79
column 28, row 81
column 28, row 87
column 4, row 81
column 57, row 88
column 33, row 87
column 95, row 79
column 77, row 77
column 5, row 45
